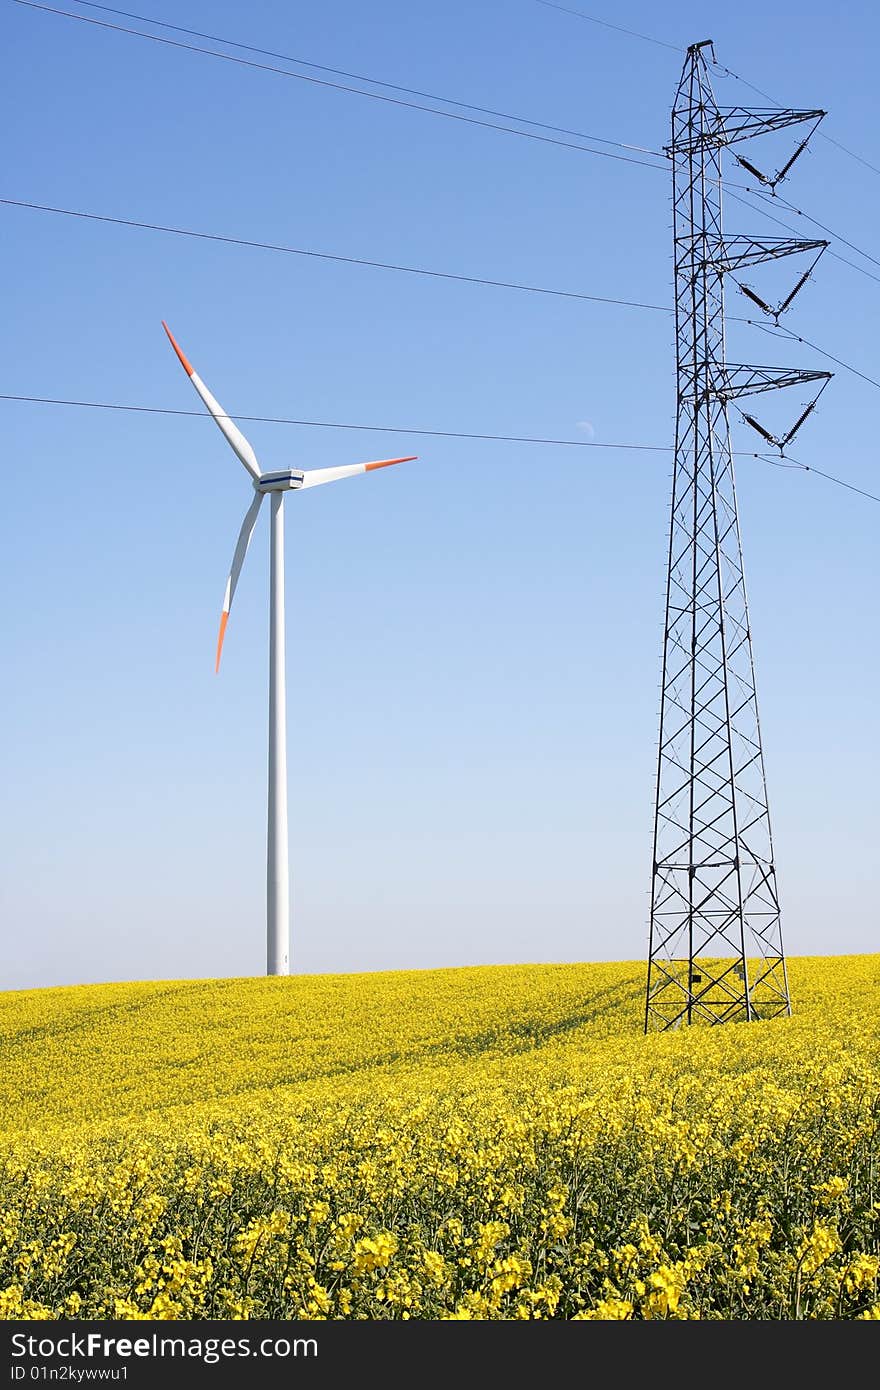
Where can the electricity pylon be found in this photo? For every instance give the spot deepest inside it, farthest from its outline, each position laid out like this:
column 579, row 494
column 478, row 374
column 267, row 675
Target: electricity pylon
column 715, row 952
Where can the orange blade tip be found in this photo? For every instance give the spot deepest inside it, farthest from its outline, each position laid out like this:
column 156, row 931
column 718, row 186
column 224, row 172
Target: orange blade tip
column 183, row 362
column 224, row 619
column 386, row 463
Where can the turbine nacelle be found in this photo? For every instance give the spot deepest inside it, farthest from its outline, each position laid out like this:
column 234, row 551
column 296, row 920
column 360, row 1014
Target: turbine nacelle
column 280, row 482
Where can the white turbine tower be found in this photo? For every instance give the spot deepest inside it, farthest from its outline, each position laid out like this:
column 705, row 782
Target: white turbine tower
column 288, row 480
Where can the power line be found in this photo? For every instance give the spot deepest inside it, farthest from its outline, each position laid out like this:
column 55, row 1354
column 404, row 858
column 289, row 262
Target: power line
column 380, row 265
column 816, row 223
column 360, row 77
column 719, row 67
column 773, row 102
column 403, row 429
column 420, row 270
column 606, row 25
column 340, row 425
column 329, row 256
column 528, row 135
column 335, row 86
column 774, row 329
column 410, row 269
column 729, row 73
column 788, row 227
column 726, row 73
column 808, row 468
column 852, row 154
column 345, row 260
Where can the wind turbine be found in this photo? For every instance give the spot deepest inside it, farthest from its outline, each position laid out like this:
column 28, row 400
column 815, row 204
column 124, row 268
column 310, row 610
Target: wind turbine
column 276, row 483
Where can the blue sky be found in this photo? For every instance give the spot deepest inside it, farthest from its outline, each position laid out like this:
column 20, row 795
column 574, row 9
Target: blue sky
column 474, row 639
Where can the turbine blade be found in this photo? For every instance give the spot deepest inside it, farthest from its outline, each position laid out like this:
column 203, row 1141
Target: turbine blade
column 241, row 446
column 315, row 476
column 244, row 539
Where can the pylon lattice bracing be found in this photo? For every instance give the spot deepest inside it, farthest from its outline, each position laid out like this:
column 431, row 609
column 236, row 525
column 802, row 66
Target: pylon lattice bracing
column 716, row 952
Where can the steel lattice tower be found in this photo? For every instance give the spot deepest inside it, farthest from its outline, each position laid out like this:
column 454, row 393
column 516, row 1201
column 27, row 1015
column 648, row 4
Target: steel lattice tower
column 715, row 952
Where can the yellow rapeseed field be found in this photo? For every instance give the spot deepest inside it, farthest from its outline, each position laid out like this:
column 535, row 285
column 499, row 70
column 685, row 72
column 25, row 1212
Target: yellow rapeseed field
column 500, row 1142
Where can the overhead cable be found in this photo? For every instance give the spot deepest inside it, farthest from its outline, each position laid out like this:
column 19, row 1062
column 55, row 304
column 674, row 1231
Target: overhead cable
column 773, row 102
column 327, row 255
column 335, row 86
column 340, row 425
column 360, row 77
column 633, row 34
column 789, row 228
column 405, row 429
